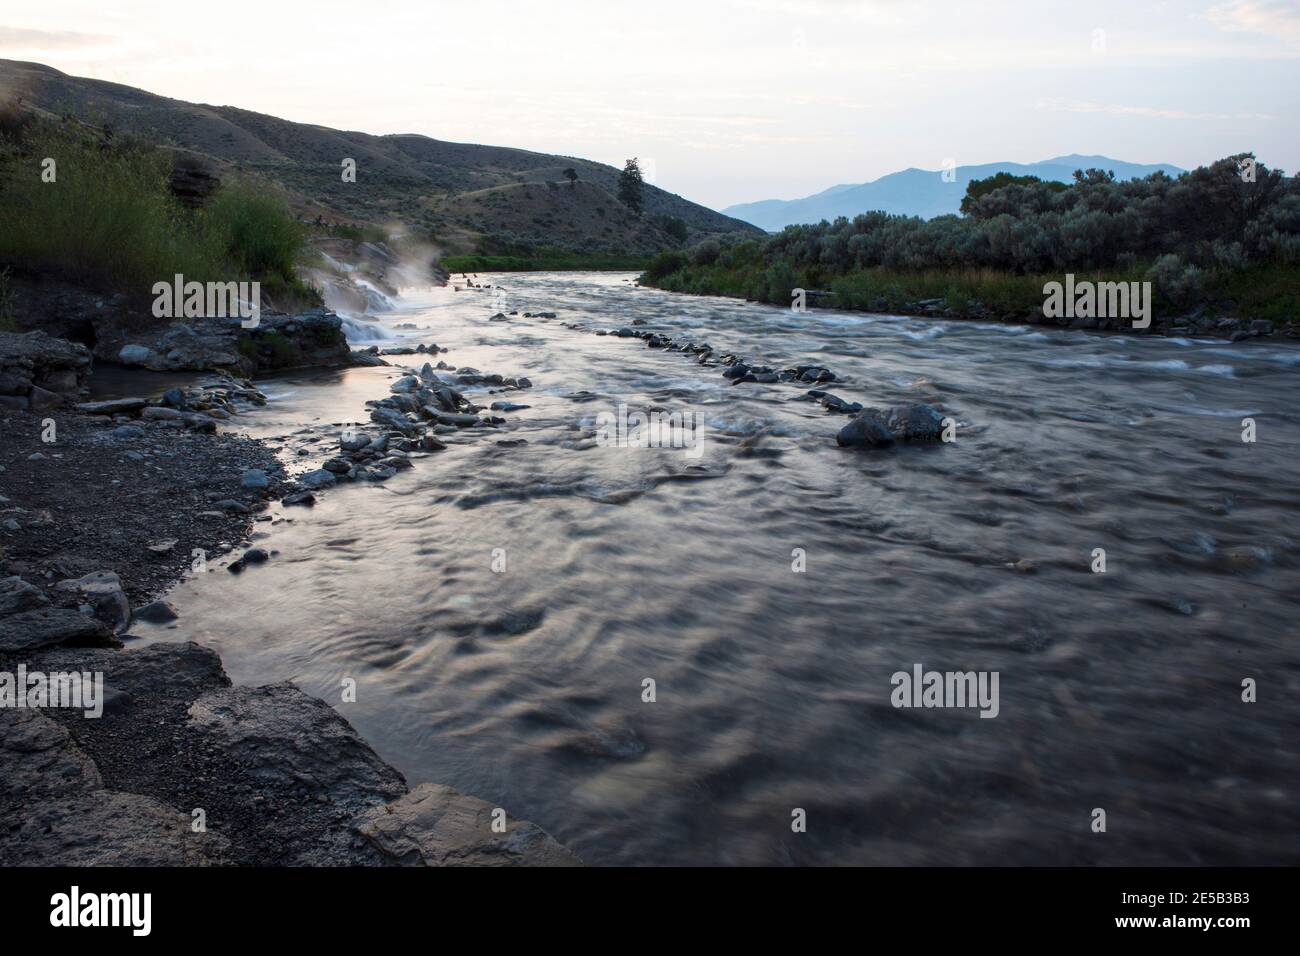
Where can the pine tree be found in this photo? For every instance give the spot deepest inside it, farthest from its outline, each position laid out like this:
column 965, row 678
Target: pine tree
column 631, row 185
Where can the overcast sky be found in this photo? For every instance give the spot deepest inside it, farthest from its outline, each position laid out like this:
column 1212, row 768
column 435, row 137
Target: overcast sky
column 724, row 100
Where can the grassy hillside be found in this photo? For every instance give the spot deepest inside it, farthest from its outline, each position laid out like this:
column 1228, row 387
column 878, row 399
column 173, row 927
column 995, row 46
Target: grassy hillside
column 408, row 178
column 582, row 216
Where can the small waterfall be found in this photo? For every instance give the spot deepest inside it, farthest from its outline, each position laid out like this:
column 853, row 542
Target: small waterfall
column 376, row 301
column 358, row 330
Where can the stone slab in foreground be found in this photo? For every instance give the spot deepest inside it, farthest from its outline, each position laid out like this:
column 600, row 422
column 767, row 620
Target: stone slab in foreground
column 56, row 811
column 48, row 627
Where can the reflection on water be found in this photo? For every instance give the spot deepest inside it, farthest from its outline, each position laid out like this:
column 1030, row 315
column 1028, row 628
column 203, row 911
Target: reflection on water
column 1119, row 690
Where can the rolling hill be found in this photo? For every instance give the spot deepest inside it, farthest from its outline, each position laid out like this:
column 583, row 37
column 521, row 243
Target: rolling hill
column 451, row 189
column 921, row 192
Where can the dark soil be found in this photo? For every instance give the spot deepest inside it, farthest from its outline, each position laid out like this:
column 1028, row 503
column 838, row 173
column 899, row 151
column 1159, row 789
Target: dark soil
column 98, row 499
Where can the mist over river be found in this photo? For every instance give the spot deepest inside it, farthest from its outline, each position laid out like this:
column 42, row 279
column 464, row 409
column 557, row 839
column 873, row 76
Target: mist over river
column 1119, row 690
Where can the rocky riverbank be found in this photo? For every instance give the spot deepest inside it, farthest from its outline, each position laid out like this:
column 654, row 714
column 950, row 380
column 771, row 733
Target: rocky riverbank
column 117, row 328
column 98, row 517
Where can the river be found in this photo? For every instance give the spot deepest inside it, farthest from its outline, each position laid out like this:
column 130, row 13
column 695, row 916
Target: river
column 1119, row 691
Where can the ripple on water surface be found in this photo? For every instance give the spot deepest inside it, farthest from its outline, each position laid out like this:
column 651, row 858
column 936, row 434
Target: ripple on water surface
column 1119, row 690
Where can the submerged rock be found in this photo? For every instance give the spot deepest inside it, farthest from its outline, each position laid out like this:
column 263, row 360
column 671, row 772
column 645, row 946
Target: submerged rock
column 156, row 612
column 435, row 825
column 315, row 480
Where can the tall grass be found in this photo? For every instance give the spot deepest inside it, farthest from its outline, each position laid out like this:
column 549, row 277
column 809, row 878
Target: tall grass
column 7, row 323
column 255, row 230
column 108, row 220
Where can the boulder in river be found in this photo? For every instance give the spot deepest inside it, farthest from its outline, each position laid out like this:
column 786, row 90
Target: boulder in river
column 392, row 418
column 864, row 433
column 459, row 419
column 156, row 612
column 315, row 480
column 915, row 422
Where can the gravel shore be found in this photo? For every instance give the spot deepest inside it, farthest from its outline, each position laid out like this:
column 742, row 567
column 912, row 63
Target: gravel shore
column 181, row 768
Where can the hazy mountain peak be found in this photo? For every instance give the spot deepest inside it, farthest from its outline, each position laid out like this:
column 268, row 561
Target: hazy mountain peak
column 922, row 192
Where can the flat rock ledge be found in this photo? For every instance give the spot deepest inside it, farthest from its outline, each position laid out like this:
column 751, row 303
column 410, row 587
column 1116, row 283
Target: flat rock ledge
column 290, row 739
column 39, row 372
column 283, row 777
column 59, row 813
column 311, row 338
column 49, row 627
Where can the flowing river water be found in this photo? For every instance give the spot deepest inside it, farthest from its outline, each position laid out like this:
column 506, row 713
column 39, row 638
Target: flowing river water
column 1119, row 691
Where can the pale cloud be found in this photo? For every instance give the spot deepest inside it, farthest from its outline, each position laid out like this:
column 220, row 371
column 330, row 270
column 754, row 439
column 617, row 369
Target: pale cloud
column 1065, row 106
column 736, row 100
column 1279, row 18
column 22, row 39
column 878, row 12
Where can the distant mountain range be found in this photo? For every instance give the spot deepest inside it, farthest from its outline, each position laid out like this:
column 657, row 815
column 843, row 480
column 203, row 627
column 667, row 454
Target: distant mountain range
column 921, row 192
column 458, row 191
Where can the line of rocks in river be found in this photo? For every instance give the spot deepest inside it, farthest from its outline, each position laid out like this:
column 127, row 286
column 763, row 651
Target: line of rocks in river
column 422, row 406
column 869, row 428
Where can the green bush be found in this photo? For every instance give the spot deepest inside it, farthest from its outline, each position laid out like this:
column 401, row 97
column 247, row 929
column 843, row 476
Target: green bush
column 665, row 264
column 1176, row 283
column 706, row 253
column 781, row 281
column 347, row 230
column 256, row 231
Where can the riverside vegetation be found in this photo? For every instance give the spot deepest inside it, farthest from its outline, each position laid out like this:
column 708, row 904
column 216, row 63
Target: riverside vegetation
column 1218, row 242
column 98, row 209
